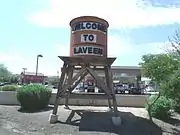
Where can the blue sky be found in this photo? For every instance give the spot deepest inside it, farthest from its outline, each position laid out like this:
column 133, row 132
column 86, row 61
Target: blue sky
column 32, row 27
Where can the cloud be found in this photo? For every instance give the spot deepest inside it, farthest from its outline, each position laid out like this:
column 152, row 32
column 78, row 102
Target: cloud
column 15, row 62
column 12, row 60
column 154, row 48
column 125, row 52
column 8, row 57
column 117, row 46
column 119, row 13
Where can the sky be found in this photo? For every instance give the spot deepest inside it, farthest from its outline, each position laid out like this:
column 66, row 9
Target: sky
column 32, row 27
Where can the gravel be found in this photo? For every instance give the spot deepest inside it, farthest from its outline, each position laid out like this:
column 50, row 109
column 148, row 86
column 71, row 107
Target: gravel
column 83, row 120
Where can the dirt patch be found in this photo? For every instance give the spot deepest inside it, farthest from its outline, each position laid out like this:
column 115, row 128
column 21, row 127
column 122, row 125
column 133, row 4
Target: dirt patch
column 84, row 120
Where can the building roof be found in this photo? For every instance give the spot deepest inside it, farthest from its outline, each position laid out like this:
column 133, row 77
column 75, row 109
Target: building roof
column 125, row 67
column 33, row 73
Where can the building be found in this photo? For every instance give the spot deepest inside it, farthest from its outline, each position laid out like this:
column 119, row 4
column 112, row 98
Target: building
column 31, row 77
column 123, row 73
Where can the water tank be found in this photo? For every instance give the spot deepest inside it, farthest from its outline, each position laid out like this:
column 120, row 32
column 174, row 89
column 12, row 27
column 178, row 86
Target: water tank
column 88, row 36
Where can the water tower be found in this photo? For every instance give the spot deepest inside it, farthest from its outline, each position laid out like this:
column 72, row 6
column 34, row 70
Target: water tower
column 88, row 53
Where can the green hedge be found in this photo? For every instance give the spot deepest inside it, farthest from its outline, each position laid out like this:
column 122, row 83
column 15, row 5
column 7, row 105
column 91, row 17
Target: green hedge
column 9, row 88
column 33, row 97
column 176, row 105
column 161, row 108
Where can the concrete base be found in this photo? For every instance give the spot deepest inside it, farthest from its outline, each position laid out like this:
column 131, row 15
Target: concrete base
column 66, row 107
column 109, row 109
column 116, row 120
column 53, row 118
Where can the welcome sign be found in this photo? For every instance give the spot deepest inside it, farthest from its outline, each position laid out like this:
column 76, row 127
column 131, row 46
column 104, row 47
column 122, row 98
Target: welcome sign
column 88, row 50
column 89, row 26
column 88, row 36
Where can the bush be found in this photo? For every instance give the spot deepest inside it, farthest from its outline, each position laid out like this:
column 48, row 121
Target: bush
column 176, row 106
column 161, row 108
column 9, row 88
column 33, row 97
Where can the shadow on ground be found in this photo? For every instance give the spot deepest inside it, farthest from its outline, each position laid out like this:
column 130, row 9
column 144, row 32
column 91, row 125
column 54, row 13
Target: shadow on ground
column 101, row 122
column 22, row 110
column 175, row 122
column 172, row 121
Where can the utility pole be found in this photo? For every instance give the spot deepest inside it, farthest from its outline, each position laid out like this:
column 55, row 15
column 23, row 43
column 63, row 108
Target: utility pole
column 57, row 74
column 24, row 70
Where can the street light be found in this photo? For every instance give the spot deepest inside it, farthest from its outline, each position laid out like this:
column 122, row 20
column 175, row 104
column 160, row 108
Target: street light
column 39, row 55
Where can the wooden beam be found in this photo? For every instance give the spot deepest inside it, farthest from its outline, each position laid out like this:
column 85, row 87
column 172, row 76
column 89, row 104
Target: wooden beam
column 108, row 84
column 94, row 68
column 70, row 75
column 112, row 90
column 77, row 82
column 73, row 80
column 61, row 80
column 91, row 60
column 100, row 82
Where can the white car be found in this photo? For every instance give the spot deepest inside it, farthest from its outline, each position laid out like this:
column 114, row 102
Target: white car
column 150, row 90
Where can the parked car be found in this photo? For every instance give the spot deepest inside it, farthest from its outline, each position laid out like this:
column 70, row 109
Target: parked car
column 90, row 89
column 149, row 90
column 1, row 84
column 100, row 91
column 4, row 83
column 134, row 90
column 119, row 89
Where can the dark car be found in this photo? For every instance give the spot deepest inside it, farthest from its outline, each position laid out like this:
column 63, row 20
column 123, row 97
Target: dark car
column 134, row 90
column 100, row 91
column 90, row 89
column 119, row 89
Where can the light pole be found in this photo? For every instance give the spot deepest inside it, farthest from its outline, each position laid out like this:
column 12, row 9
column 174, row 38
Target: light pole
column 39, row 55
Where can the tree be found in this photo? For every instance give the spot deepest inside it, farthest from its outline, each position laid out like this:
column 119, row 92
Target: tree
column 4, row 74
column 150, row 105
column 171, row 89
column 158, row 67
column 171, row 86
column 14, row 78
column 164, row 70
column 175, row 43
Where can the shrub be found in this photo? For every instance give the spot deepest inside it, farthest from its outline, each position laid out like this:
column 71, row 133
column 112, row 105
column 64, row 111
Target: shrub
column 176, row 106
column 161, row 108
column 33, row 97
column 9, row 88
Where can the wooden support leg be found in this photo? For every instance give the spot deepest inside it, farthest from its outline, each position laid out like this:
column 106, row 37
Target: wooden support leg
column 67, row 100
column 70, row 75
column 112, row 89
column 116, row 119
column 107, row 83
column 53, row 117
